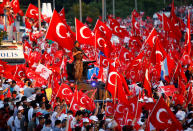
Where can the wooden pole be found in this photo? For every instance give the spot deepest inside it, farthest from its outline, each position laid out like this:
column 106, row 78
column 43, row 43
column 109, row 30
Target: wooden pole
column 39, row 13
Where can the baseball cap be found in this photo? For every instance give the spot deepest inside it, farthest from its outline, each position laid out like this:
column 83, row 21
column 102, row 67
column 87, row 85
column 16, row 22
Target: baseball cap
column 20, row 108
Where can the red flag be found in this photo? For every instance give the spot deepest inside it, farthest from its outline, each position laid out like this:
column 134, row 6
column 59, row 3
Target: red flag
column 103, row 44
column 134, row 13
column 158, row 54
column 159, row 16
column 58, row 32
column 188, row 36
column 103, row 29
column 147, row 82
column 151, row 39
column 65, row 93
column 28, row 25
column 83, row 34
column 109, row 109
column 89, row 19
column 116, row 85
column 167, row 24
column 32, row 12
column 125, row 55
column 62, row 14
column 190, row 95
column 167, row 90
column 15, row 6
column 162, row 117
column 104, row 61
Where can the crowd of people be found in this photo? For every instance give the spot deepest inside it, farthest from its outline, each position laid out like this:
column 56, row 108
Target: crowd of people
column 26, row 107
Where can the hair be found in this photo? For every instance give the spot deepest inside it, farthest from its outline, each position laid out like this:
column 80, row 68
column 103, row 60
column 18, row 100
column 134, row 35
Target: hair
column 29, row 83
column 11, row 112
column 127, row 128
column 48, row 106
column 18, row 103
column 13, row 82
column 34, row 115
column 57, row 122
column 78, row 113
column 76, row 42
column 101, row 123
column 48, row 122
column 41, row 118
column 71, row 112
column 14, row 92
column 23, row 98
column 77, row 128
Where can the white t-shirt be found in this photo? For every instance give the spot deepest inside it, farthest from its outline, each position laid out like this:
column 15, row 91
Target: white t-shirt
column 16, row 88
column 17, row 124
column 10, row 123
column 30, row 113
column 54, row 118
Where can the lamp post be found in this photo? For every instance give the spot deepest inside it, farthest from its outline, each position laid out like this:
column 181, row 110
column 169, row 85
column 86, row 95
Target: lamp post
column 39, row 13
column 113, row 8
column 54, row 6
column 80, row 6
column 103, row 10
column 136, row 5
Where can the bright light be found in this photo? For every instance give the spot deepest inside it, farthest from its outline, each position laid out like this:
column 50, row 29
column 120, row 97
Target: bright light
column 93, row 83
column 71, row 84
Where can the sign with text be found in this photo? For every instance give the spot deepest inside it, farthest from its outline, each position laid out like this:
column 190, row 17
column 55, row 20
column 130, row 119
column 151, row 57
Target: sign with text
column 11, row 54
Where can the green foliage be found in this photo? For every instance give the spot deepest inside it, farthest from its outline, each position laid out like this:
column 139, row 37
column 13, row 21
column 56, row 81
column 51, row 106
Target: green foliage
column 93, row 8
column 87, row 10
column 3, row 34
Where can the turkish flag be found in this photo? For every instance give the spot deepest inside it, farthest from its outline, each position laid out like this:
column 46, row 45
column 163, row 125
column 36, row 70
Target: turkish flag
column 110, row 108
column 30, row 73
column 147, row 82
column 187, row 45
column 151, row 39
column 62, row 15
column 86, row 101
column 158, row 54
column 167, row 24
column 135, row 13
column 89, row 19
column 83, row 34
column 103, row 29
column 104, row 61
column 135, row 25
column 28, row 25
column 162, row 117
column 103, row 44
column 58, row 31
column 32, row 12
column 15, row 6
column 75, row 101
column 125, row 55
column 65, row 93
column 19, row 72
column 117, row 85
column 44, row 71
column 168, row 90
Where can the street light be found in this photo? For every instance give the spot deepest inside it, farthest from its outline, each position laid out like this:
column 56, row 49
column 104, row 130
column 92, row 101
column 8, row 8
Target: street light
column 80, row 6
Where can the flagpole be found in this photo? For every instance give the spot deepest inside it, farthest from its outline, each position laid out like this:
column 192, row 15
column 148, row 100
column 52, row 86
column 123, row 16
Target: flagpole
column 39, row 13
